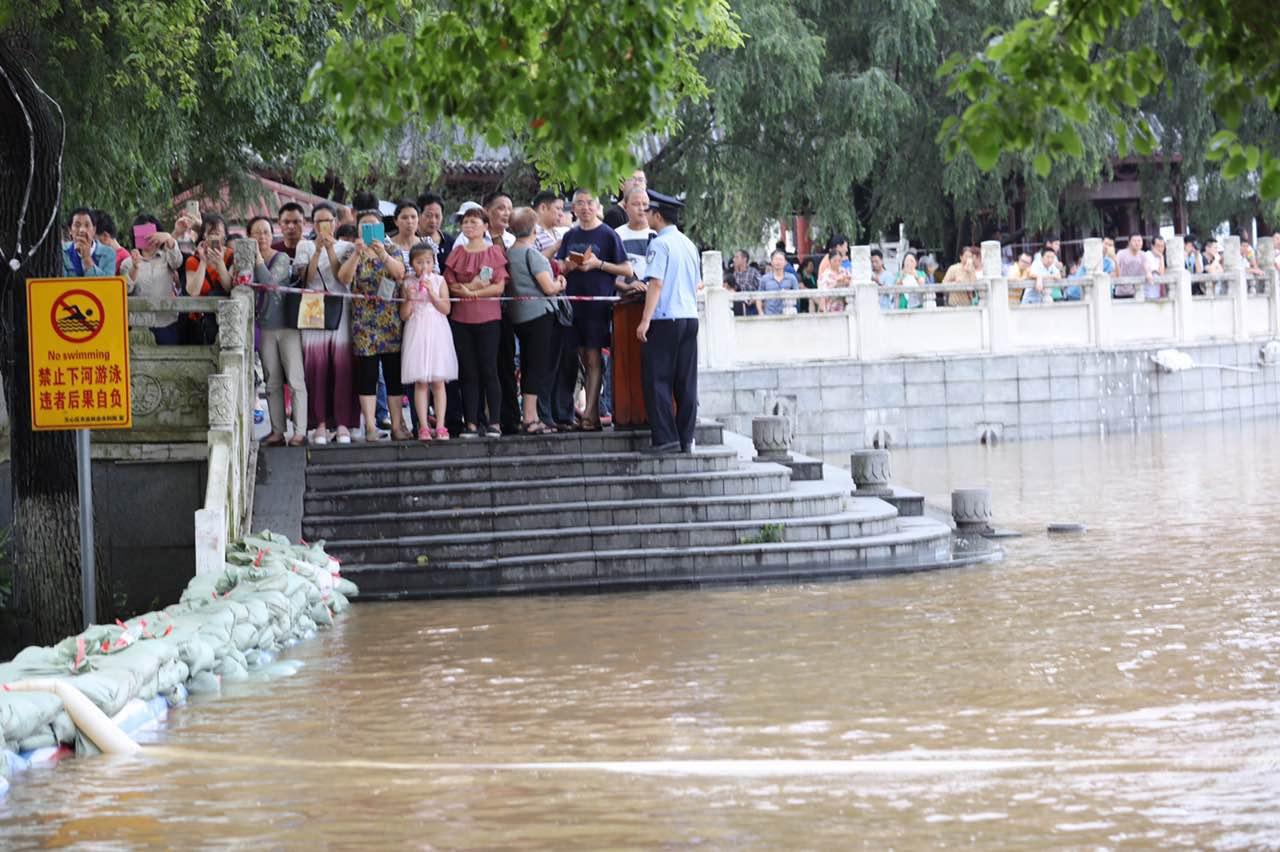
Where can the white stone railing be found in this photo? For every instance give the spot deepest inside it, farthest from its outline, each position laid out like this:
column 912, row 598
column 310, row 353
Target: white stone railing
column 229, row 487
column 1234, row 307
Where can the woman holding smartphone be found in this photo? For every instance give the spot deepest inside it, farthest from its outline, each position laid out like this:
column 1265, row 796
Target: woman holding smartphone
column 475, row 273
column 372, row 272
column 208, row 274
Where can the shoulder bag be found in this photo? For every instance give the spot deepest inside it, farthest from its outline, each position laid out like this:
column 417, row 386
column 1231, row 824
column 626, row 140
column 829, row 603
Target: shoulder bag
column 317, row 309
column 560, row 306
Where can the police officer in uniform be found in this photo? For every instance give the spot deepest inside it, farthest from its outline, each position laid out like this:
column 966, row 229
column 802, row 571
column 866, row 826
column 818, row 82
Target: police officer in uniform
column 668, row 330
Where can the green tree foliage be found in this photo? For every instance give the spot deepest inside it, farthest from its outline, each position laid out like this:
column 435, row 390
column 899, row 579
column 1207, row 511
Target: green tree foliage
column 571, row 83
column 187, row 90
column 832, row 109
column 1206, row 68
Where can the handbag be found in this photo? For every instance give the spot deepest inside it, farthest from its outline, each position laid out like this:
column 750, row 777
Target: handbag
column 318, row 310
column 563, row 311
column 561, row 307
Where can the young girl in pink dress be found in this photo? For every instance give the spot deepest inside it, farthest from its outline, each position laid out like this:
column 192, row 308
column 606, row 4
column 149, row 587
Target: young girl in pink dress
column 426, row 353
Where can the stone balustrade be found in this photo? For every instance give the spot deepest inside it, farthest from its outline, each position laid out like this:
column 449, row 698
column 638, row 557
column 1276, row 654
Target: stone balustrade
column 1231, row 307
column 196, row 401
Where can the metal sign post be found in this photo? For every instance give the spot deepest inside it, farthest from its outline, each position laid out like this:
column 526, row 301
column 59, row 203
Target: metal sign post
column 78, row 338
column 88, row 577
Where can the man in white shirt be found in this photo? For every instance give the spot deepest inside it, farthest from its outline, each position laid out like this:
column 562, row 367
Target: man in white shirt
column 635, row 236
column 1155, row 266
column 548, row 206
column 497, row 205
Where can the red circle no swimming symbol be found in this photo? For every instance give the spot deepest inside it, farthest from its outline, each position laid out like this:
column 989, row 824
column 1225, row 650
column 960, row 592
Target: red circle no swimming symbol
column 77, row 316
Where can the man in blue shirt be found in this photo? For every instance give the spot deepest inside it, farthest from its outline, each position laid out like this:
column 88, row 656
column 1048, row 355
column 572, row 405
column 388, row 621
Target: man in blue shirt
column 592, row 258
column 84, row 256
column 669, row 330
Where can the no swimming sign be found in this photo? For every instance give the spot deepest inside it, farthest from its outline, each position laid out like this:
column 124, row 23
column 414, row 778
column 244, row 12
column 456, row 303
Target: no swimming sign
column 78, row 338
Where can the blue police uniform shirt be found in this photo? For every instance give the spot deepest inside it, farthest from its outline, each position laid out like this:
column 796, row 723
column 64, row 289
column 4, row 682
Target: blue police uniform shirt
column 673, row 259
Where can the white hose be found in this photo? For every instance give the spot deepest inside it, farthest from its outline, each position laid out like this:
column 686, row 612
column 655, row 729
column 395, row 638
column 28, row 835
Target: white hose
column 90, row 720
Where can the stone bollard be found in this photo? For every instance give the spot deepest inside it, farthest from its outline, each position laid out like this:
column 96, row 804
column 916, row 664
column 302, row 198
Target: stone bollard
column 971, row 509
column 244, row 254
column 771, row 434
column 870, row 470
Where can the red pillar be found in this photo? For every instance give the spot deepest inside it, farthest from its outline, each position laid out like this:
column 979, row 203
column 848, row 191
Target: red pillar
column 802, row 236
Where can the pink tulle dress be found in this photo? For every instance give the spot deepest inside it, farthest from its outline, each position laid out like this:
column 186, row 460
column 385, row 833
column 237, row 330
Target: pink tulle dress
column 426, row 353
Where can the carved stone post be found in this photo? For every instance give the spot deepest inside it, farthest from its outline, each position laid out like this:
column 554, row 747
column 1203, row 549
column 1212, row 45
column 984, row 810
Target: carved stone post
column 721, row 337
column 871, row 473
column 235, row 356
column 1233, row 266
column 971, row 509
column 997, row 301
column 1101, row 310
column 244, row 256
column 1175, row 261
column 771, row 434
column 866, row 322
column 222, row 404
column 1092, row 261
column 1267, row 262
column 217, row 520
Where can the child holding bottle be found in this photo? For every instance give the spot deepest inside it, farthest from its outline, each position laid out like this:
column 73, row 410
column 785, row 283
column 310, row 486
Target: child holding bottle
column 427, row 358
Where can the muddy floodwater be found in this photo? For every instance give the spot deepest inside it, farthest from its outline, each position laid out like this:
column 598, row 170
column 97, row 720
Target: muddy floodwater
column 1113, row 689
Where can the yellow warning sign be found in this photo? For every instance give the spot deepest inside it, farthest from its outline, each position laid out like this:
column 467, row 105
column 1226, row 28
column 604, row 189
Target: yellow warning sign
column 78, row 334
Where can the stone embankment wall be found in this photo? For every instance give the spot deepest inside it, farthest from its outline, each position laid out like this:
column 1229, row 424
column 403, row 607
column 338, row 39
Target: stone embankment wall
column 838, row 406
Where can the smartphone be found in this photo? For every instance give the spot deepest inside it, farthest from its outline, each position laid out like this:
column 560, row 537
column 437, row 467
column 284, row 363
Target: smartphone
column 142, row 235
column 324, row 229
column 577, row 256
column 215, row 244
column 373, row 232
column 192, row 209
column 486, row 273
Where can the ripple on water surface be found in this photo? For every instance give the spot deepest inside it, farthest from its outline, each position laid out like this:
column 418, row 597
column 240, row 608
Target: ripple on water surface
column 1114, row 688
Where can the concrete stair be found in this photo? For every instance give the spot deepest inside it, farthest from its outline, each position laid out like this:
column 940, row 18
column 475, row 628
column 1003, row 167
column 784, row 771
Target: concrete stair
column 589, row 512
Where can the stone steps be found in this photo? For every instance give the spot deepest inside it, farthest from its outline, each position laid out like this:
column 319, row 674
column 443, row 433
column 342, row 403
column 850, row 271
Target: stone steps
column 570, row 443
column 799, row 501
column 588, row 512
column 918, row 544
column 438, row 549
column 343, row 477
column 755, row 479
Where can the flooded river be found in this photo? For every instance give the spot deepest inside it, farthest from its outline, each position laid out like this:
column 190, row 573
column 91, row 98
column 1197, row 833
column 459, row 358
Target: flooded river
column 1113, row 689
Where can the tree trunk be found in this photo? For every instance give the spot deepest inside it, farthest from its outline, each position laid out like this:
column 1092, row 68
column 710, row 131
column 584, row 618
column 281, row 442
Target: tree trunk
column 46, row 539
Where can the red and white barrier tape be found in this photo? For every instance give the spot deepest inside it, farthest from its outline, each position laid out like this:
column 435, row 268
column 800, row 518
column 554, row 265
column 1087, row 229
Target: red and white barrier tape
column 275, row 288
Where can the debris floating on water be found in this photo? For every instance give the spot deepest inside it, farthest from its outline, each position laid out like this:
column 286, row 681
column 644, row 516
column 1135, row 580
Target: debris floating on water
column 1067, row 528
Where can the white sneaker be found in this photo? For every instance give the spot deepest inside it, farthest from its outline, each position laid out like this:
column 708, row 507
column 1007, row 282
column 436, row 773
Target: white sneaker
column 344, row 438
column 319, row 440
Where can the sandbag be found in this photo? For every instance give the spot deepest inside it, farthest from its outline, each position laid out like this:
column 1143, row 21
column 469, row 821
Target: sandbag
column 270, row 594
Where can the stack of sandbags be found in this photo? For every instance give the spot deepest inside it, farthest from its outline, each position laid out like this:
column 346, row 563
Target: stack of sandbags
column 271, row 594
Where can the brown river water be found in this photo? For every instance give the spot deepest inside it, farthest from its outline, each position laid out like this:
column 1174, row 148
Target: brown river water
column 1114, row 689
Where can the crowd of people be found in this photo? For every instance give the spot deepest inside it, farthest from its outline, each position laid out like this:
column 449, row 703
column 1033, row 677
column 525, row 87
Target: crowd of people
column 1035, row 277
column 487, row 328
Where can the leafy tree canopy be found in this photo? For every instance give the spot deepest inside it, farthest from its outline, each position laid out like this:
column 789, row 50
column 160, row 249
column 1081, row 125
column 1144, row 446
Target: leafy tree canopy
column 572, row 83
column 192, row 90
column 1127, row 58
column 832, row 109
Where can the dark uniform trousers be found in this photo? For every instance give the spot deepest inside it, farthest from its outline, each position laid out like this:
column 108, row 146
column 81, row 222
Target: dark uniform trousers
column 669, row 362
column 510, row 416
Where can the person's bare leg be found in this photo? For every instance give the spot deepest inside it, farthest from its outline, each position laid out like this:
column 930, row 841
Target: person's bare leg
column 420, row 390
column 398, row 430
column 440, row 398
column 591, row 363
column 368, row 409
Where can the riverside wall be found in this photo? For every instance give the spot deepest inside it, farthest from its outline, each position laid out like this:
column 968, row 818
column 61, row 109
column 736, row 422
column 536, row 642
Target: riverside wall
column 841, row 405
